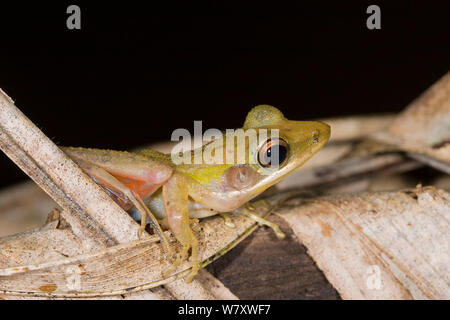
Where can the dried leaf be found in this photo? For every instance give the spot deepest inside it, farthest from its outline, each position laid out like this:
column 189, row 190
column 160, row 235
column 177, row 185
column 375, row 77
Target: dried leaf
column 378, row 245
column 424, row 126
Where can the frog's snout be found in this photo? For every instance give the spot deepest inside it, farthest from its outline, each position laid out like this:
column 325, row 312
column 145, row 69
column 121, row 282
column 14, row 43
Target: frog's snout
column 322, row 133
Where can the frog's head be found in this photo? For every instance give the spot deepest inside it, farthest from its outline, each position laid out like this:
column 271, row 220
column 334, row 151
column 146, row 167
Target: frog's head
column 289, row 143
column 281, row 147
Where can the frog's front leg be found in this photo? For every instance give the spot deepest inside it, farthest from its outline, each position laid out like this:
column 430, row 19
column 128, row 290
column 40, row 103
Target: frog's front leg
column 175, row 197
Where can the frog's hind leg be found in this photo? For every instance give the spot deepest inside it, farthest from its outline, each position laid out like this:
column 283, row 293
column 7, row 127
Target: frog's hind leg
column 175, row 197
column 110, row 183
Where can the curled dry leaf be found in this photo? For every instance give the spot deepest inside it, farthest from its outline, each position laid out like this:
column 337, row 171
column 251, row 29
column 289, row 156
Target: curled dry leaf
column 423, row 128
column 48, row 262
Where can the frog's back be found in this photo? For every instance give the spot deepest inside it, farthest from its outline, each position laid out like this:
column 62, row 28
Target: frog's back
column 156, row 155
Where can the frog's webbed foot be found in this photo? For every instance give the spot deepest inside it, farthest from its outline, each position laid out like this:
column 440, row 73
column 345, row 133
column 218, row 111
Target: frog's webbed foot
column 192, row 244
column 166, row 272
column 250, row 211
column 194, row 256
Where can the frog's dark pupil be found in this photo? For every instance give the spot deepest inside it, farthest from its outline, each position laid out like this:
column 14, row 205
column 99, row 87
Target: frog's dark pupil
column 277, row 149
column 274, row 155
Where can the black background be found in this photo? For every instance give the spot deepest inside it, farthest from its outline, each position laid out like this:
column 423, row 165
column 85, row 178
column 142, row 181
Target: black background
column 136, row 72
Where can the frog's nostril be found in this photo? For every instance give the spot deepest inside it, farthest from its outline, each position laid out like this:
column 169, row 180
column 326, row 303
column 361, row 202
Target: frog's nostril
column 321, row 133
column 316, row 135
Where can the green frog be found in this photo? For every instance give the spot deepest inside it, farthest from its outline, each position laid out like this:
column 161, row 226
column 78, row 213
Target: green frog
column 173, row 193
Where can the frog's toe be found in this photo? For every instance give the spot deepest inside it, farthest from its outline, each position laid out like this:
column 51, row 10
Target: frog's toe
column 173, row 266
column 193, row 245
column 249, row 211
column 191, row 276
column 179, row 257
column 194, row 258
column 140, row 231
column 227, row 220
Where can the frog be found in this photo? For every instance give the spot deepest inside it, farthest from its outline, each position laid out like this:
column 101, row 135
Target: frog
column 173, row 195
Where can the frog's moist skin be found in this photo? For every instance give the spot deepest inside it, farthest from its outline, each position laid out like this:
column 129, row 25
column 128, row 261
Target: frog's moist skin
column 177, row 193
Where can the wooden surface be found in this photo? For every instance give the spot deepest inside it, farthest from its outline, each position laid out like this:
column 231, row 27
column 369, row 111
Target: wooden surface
column 264, row 267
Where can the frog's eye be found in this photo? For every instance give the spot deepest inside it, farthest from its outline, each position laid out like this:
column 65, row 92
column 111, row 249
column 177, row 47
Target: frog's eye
column 273, row 153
